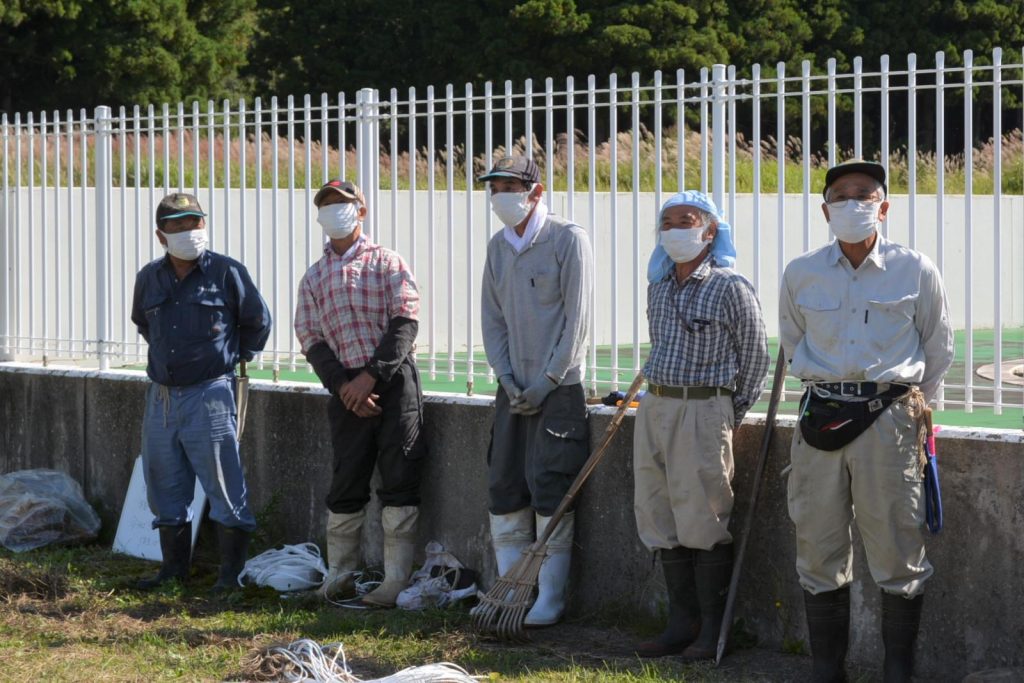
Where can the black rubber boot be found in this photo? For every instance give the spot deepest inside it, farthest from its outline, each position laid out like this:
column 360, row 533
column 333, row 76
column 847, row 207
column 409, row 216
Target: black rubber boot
column 713, row 571
column 900, row 621
column 683, row 609
column 234, row 550
column 828, row 626
column 176, row 549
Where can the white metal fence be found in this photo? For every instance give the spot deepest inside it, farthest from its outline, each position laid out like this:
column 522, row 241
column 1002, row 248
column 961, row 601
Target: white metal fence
column 80, row 191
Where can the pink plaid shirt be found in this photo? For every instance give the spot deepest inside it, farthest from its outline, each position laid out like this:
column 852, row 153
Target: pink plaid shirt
column 348, row 300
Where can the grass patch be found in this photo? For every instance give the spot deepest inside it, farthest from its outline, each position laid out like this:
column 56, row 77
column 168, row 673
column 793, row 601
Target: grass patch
column 70, row 614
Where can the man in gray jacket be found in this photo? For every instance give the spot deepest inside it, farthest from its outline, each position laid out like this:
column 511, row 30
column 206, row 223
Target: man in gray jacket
column 536, row 312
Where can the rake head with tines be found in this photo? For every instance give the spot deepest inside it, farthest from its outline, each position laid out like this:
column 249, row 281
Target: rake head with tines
column 503, row 609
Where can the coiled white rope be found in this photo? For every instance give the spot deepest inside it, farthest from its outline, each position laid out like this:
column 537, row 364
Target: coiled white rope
column 290, row 568
column 306, row 661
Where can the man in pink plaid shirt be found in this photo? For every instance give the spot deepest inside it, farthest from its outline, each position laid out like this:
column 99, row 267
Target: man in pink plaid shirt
column 357, row 323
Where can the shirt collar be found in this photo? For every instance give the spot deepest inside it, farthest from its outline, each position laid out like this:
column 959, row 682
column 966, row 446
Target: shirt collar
column 875, row 256
column 703, row 270
column 350, row 252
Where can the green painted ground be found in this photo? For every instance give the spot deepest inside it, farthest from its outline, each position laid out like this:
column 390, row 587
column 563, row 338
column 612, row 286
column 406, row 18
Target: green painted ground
column 1011, row 418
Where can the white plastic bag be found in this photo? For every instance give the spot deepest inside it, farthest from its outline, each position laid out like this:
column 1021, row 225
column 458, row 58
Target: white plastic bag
column 40, row 507
column 441, row 581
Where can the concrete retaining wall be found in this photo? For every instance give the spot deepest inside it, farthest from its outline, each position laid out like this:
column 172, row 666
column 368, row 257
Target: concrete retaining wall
column 88, row 424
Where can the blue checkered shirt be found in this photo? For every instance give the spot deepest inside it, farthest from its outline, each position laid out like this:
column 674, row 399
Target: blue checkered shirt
column 708, row 332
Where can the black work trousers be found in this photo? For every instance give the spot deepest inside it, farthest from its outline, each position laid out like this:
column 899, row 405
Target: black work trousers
column 394, row 441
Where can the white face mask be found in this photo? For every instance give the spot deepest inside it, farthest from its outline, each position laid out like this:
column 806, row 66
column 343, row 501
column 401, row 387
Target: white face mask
column 188, row 245
column 684, row 244
column 338, row 220
column 853, row 222
column 511, row 207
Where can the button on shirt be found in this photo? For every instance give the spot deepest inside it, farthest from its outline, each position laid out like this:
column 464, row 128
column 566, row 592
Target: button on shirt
column 348, row 300
column 709, row 332
column 200, row 327
column 886, row 321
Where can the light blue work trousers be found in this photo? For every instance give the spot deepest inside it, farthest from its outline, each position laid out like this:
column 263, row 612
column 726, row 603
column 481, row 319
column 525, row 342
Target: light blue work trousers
column 190, row 432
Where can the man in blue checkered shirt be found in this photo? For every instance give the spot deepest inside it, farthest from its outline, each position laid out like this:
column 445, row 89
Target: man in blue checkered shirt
column 709, row 357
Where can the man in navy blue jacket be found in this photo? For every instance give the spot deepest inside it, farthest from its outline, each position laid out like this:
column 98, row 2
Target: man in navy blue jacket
column 200, row 313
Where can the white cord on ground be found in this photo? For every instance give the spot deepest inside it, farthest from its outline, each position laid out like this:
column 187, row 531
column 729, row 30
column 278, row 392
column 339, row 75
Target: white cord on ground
column 291, row 568
column 306, row 661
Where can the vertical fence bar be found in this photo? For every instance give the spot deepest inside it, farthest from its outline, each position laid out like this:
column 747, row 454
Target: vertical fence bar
column 755, row 134
column 680, row 130
column 528, row 118
column 884, row 126
column 151, row 117
column 43, row 182
column 858, row 108
column 31, row 128
column 342, row 145
column 139, row 224
column 290, row 132
column 805, row 152
column 274, row 185
column 592, row 223
column 126, row 271
column 375, row 160
column 449, row 137
column 704, row 130
column 226, row 182
column 57, row 270
column 470, row 229
column 325, row 141
column 394, row 156
column 412, row 180
column 243, row 144
column 718, row 134
column 84, row 239
column 508, row 119
column 657, row 139
column 637, row 274
column 613, row 184
column 211, row 167
column 997, row 227
column 197, row 140
column 6, row 352
column 307, row 200
column 431, row 246
column 731, row 94
column 69, row 132
column 912, row 147
column 103, row 153
column 940, row 174
column 181, row 146
column 549, row 139
column 780, row 171
column 830, row 105
column 968, row 230
column 166, row 134
column 15, row 244
column 570, row 149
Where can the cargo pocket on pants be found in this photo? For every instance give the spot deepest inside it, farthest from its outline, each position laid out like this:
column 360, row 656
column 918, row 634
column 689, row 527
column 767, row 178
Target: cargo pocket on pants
column 563, row 444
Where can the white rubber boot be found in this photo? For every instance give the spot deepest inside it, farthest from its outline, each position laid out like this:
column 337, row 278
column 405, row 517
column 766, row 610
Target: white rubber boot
column 511, row 534
column 554, row 573
column 399, row 548
column 344, row 532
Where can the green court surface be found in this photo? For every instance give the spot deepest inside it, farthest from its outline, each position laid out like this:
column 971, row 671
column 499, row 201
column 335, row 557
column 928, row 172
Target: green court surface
column 1012, row 416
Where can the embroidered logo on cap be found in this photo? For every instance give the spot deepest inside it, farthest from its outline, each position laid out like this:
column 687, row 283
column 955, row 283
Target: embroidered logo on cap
column 181, row 201
column 506, row 162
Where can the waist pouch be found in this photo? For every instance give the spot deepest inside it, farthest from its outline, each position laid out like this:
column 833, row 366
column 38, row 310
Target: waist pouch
column 828, row 424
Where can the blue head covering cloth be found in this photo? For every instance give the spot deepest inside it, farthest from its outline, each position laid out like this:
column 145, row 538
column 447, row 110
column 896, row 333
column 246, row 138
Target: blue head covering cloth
column 722, row 247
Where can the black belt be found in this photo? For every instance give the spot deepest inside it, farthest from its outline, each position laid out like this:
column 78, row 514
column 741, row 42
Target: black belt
column 857, row 388
column 696, row 393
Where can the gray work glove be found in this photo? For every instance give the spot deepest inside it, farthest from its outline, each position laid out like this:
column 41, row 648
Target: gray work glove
column 515, row 394
column 534, row 395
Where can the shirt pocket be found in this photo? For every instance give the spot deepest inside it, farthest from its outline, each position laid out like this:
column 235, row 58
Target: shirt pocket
column 821, row 315
column 891, row 320
column 209, row 317
column 709, row 337
column 544, row 285
column 153, row 309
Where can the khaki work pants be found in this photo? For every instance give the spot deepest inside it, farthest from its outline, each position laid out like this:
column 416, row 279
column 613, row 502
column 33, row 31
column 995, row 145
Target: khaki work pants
column 875, row 478
column 683, row 468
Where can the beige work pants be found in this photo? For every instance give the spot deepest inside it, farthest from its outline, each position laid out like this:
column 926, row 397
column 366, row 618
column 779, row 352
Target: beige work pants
column 683, row 468
column 875, row 478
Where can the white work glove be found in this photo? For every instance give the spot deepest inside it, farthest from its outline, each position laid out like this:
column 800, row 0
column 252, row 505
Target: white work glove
column 534, row 395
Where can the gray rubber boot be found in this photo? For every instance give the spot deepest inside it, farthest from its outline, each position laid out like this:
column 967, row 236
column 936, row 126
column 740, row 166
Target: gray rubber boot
column 176, row 550
column 344, row 533
column 399, row 548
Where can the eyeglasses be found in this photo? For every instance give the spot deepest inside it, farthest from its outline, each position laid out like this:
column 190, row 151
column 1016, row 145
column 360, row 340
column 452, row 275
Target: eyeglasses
column 841, row 202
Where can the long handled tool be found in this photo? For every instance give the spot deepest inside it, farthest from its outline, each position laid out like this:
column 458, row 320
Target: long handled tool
column 242, row 397
column 762, row 458
column 504, row 608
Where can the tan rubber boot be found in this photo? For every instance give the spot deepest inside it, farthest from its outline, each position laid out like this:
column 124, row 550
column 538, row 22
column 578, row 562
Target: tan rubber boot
column 554, row 573
column 343, row 535
column 399, row 547
column 511, row 534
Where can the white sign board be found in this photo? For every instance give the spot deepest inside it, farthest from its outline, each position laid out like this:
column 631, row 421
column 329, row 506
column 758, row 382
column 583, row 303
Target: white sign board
column 135, row 533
